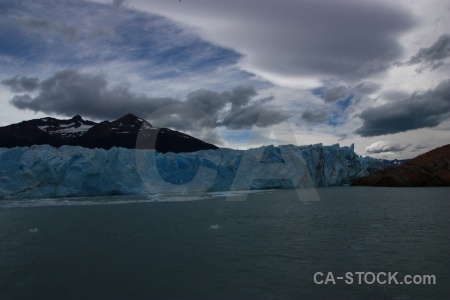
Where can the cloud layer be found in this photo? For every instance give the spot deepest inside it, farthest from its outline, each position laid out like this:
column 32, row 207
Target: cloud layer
column 382, row 147
column 54, row 35
column 229, row 67
column 438, row 51
column 421, row 110
column 298, row 38
column 69, row 93
column 315, row 116
column 20, row 84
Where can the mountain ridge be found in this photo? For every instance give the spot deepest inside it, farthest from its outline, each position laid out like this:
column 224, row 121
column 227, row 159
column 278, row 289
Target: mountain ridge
column 428, row 169
column 128, row 132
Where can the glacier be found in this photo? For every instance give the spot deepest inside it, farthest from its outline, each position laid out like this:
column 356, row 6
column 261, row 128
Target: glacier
column 73, row 171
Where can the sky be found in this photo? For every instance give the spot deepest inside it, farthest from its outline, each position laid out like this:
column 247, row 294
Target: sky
column 237, row 73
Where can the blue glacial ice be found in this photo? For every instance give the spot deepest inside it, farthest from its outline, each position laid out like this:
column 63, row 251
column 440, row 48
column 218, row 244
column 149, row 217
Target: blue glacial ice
column 44, row 171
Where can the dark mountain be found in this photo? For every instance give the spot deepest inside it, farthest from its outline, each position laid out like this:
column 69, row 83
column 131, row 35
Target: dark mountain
column 387, row 164
column 26, row 135
column 128, row 132
column 49, row 131
column 119, row 133
column 429, row 169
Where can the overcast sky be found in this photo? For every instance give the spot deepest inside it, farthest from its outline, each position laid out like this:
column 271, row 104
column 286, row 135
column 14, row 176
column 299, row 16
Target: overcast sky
column 237, row 73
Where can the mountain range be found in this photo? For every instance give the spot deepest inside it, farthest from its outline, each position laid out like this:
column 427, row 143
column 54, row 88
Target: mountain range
column 429, row 169
column 128, row 132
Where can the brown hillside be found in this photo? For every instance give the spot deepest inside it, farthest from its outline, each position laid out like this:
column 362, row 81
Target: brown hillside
column 429, row 169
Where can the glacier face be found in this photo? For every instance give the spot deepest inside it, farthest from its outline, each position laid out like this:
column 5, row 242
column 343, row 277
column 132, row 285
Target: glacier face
column 45, row 171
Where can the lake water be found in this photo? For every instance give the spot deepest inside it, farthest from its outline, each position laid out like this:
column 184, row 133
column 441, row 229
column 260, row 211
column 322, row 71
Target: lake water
column 205, row 247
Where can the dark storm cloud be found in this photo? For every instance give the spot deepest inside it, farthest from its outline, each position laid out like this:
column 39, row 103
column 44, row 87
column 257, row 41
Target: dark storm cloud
column 302, row 38
column 335, row 93
column 245, row 115
column 241, row 95
column 375, row 66
column 394, row 95
column 382, row 147
column 366, row 88
column 421, row 110
column 69, row 93
column 253, row 115
column 315, row 116
column 438, row 51
column 212, row 102
column 19, row 84
column 330, row 37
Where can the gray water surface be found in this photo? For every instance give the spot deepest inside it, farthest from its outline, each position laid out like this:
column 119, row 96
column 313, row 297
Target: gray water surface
column 268, row 247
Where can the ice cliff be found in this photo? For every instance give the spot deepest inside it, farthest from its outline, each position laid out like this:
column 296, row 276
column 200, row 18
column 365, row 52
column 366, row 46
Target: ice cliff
column 45, row 171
